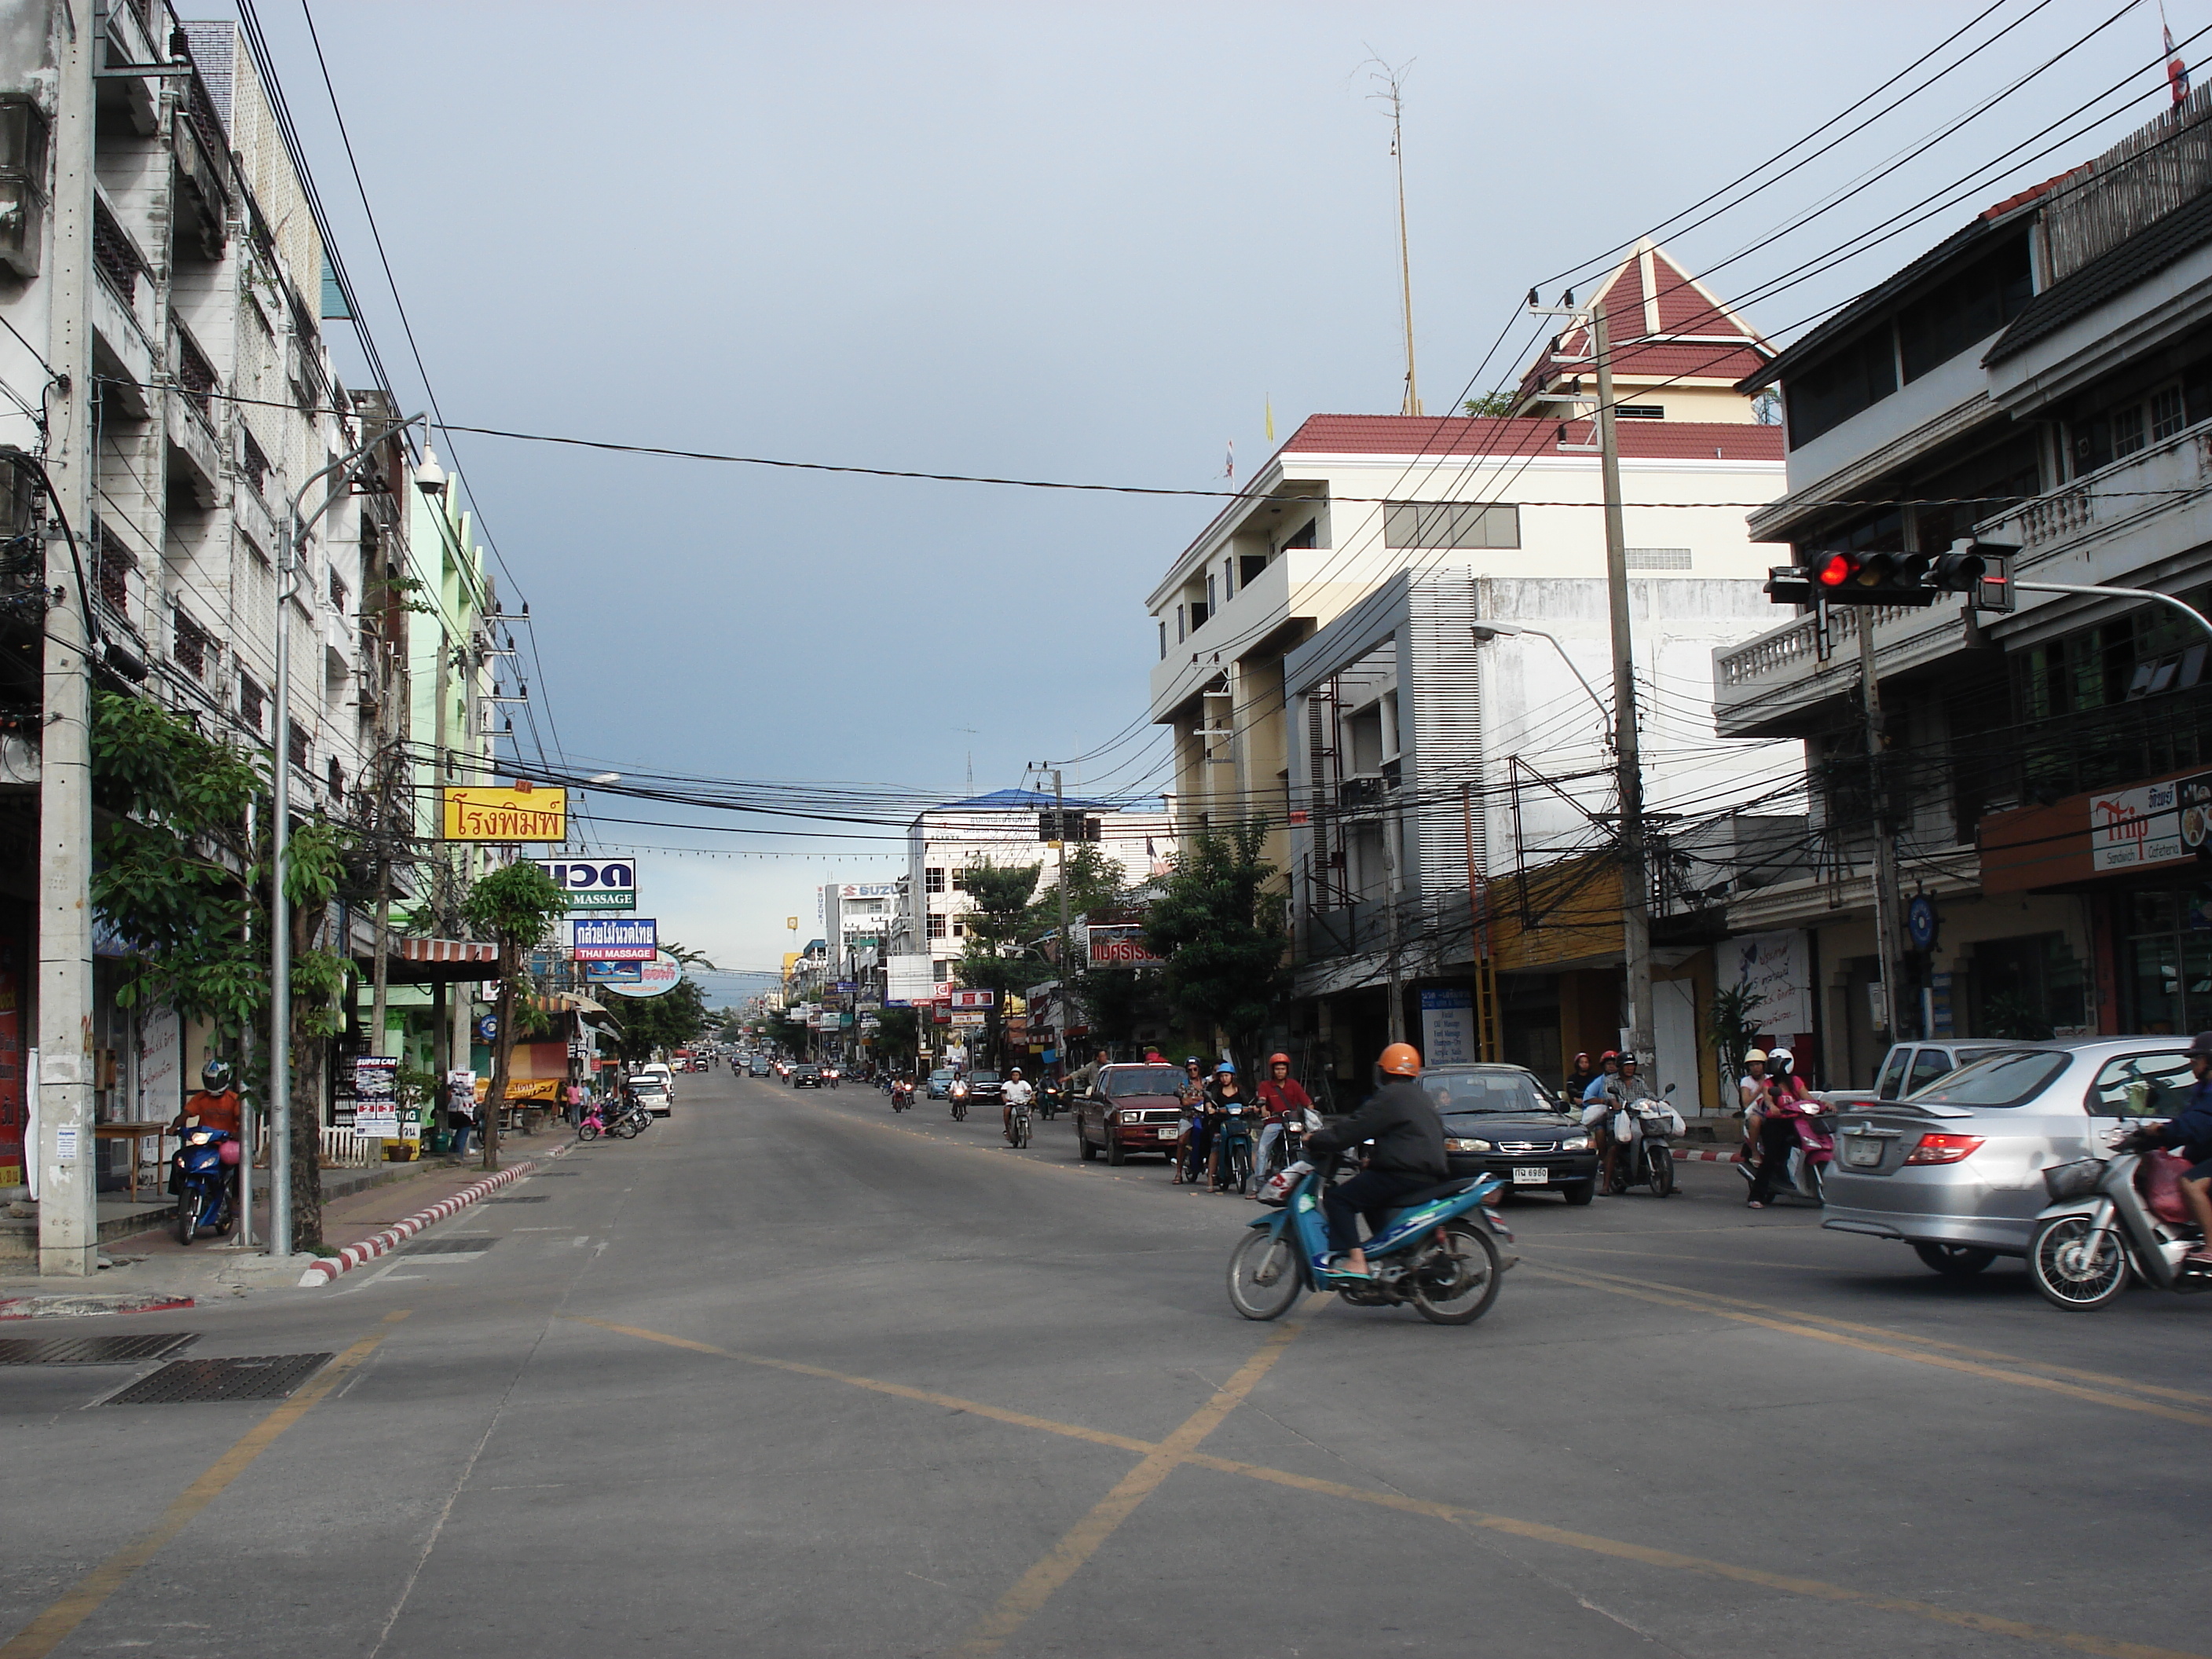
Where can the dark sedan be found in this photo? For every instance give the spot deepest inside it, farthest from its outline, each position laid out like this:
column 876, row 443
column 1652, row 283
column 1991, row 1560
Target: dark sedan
column 1498, row 1120
column 1131, row 1109
column 806, row 1077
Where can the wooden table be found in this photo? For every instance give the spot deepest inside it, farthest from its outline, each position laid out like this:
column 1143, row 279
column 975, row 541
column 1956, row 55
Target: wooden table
column 136, row 1134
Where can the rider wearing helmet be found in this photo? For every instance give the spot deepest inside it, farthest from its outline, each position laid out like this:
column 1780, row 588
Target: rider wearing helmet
column 1197, row 1132
column 1014, row 1092
column 1779, row 1111
column 1408, row 1134
column 214, row 1105
column 2191, row 1131
column 1231, row 1109
column 1284, row 1104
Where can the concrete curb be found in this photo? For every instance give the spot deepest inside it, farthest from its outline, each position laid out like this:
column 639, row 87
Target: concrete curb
column 1684, row 1155
column 368, row 1249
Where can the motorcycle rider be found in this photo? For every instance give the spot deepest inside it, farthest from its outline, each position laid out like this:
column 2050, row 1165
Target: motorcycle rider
column 1780, row 1109
column 213, row 1105
column 2191, row 1132
column 1014, row 1092
column 1191, row 1146
column 1229, row 1108
column 1623, row 1083
column 1285, row 1104
column 1408, row 1134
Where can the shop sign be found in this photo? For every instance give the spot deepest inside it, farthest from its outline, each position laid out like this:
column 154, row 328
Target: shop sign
column 868, row 890
column 617, row 938
column 1448, row 1028
column 655, row 978
column 967, row 1021
column 1122, row 945
column 965, row 1000
column 375, row 1079
column 2131, row 828
column 378, row 1120
column 613, row 973
column 477, row 812
column 595, row 883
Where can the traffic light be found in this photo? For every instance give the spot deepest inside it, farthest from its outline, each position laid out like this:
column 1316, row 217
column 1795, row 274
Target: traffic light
column 1873, row 578
column 1980, row 570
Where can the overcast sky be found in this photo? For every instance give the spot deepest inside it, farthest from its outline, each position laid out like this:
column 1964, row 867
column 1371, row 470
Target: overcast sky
column 1067, row 242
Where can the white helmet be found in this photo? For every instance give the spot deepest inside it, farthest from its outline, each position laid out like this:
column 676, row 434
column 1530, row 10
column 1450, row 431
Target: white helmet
column 1780, row 1059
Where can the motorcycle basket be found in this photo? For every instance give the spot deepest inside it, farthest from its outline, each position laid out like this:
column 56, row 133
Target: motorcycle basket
column 2070, row 1181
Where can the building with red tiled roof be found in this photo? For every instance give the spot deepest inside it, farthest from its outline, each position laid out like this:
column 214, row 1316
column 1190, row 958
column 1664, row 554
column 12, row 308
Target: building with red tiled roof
column 1678, row 350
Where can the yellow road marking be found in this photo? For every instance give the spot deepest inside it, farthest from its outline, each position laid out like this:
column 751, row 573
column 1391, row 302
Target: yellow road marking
column 1457, row 1515
column 1082, row 1540
column 1671, row 1298
column 84, row 1599
column 2078, row 1376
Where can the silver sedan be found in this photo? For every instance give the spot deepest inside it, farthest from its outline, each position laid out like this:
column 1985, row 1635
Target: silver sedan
column 1956, row 1170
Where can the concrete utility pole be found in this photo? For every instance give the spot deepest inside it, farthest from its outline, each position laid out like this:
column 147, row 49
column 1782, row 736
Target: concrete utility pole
column 1059, row 822
column 1635, row 881
column 69, row 1226
column 1394, row 972
column 1885, row 893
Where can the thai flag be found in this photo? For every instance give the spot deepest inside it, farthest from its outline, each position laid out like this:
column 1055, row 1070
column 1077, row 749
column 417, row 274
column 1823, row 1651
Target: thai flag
column 2177, row 72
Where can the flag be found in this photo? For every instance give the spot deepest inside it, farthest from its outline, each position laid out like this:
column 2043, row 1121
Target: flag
column 1229, row 470
column 2177, row 72
column 1270, row 420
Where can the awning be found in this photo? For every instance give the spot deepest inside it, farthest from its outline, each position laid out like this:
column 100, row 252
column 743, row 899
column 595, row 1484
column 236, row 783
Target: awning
column 441, row 961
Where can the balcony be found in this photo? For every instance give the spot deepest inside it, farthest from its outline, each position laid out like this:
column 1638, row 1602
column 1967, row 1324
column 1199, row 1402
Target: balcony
column 1769, row 687
column 195, row 456
column 204, row 205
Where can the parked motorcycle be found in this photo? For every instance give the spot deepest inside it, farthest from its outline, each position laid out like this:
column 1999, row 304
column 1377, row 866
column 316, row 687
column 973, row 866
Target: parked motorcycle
column 207, row 1183
column 1645, row 1130
column 1809, row 1159
column 2111, row 1221
column 1443, row 1252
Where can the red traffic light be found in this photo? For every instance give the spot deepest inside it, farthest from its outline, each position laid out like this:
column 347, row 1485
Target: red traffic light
column 1837, row 569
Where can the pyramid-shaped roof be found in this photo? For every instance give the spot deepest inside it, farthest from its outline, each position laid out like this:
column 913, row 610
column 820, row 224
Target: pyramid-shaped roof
column 1665, row 325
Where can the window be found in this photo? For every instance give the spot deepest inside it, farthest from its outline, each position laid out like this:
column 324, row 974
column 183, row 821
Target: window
column 1890, row 1085
column 936, row 927
column 1304, row 538
column 338, row 594
column 250, row 699
column 1249, row 568
column 1228, row 578
column 1927, row 1066
column 1451, row 525
column 2100, row 438
column 189, row 647
column 1639, row 412
column 112, row 567
column 959, row 881
column 254, row 464
column 1199, row 613
column 1163, row 639
column 1991, row 483
column 940, row 971
column 1962, row 309
column 2006, row 1080
column 297, row 748
column 933, row 881
column 2142, row 1085
column 1212, row 602
column 2168, row 413
column 1182, row 627
column 959, row 928
column 1658, row 558
column 1826, row 394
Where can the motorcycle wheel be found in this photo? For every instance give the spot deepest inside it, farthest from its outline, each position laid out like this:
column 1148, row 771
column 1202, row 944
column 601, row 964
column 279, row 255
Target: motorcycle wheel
column 1021, row 1131
column 1459, row 1281
column 2077, row 1265
column 1954, row 1261
column 1263, row 1275
column 1660, row 1162
column 588, row 1131
column 959, row 1112
column 627, row 1129
column 188, row 1216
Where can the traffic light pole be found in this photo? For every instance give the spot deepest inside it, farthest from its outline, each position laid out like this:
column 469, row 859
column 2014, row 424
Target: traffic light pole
column 1885, row 884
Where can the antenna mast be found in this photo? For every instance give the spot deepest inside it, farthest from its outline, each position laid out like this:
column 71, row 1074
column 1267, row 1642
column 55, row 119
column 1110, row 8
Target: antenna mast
column 1393, row 80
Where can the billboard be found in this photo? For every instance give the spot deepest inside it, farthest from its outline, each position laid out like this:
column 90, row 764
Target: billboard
column 654, row 978
column 482, row 812
column 868, row 890
column 907, row 981
column 614, row 939
column 613, row 973
column 1122, row 944
column 595, row 883
column 973, row 1000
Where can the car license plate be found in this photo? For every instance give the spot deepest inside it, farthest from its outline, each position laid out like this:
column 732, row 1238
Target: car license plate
column 1530, row 1175
column 1862, row 1151
column 1170, row 1132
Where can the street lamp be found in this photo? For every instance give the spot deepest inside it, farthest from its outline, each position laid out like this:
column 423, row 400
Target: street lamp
column 430, row 479
column 1486, row 632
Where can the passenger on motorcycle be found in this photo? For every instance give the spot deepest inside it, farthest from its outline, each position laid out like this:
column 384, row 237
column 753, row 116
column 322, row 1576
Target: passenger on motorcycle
column 1014, row 1092
column 1283, row 1105
column 1403, row 1121
column 1780, row 1107
column 1623, row 1083
column 2189, row 1131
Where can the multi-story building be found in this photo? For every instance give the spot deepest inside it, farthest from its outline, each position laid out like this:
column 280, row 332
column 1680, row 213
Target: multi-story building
column 2041, row 379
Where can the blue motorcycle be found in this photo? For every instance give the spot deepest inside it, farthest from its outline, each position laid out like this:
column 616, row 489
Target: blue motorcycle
column 206, row 1184
column 1442, row 1252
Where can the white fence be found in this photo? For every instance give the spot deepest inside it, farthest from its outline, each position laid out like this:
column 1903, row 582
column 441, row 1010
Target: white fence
column 342, row 1149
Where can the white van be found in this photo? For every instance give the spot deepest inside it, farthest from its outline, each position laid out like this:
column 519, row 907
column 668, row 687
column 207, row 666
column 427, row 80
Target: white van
column 662, row 1073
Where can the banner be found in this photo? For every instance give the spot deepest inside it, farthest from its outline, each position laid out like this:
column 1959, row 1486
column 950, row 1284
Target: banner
column 617, row 938
column 1776, row 969
column 1448, row 1028
column 655, row 978
column 1121, row 945
column 907, row 981
column 478, row 812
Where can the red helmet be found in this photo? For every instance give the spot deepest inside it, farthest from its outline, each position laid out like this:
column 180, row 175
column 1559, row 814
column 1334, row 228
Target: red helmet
column 1279, row 1059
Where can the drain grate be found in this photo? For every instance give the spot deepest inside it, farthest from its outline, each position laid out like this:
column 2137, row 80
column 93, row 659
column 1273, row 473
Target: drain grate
column 92, row 1350
column 190, row 1381
column 536, row 1198
column 464, row 1246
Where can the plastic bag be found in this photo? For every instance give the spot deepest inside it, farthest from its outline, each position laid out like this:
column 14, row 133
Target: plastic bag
column 2160, row 1181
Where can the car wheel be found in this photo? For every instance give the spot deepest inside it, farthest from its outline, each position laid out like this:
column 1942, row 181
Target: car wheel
column 1954, row 1261
column 1114, row 1155
column 1579, row 1192
column 1090, row 1152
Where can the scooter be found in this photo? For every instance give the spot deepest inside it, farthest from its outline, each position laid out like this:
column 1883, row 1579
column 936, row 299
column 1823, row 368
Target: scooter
column 1444, row 1252
column 901, row 1096
column 1647, row 1150
column 2112, row 1220
column 206, row 1186
column 1809, row 1159
column 832, row 1076
column 958, row 1094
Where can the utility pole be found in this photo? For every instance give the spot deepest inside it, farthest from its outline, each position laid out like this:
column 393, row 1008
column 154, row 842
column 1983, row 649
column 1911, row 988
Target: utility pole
column 1060, row 822
column 1393, row 968
column 69, row 1229
column 1885, row 846
column 1396, row 96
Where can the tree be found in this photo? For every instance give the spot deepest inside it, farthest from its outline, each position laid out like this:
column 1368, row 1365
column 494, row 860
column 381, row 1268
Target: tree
column 1224, row 936
column 1494, row 404
column 181, row 872
column 898, row 1034
column 514, row 904
column 999, row 957
column 668, row 1021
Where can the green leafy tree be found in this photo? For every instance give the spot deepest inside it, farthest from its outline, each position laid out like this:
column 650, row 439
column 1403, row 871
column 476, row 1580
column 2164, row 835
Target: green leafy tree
column 999, row 957
column 668, row 1021
column 1497, row 404
column 898, row 1036
column 1225, row 936
column 515, row 905
column 181, row 873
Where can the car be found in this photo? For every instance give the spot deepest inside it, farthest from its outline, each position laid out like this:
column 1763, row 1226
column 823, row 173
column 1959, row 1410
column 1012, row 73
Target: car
column 940, row 1084
column 652, row 1096
column 806, row 1077
column 1909, row 1067
column 760, row 1068
column 1500, row 1121
column 1130, row 1109
column 983, row 1086
column 1956, row 1168
column 656, row 1069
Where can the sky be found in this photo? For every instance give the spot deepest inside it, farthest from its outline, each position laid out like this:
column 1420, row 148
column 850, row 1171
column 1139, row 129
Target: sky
column 1061, row 242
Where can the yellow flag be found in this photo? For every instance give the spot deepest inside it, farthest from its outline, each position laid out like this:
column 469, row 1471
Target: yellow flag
column 1270, row 420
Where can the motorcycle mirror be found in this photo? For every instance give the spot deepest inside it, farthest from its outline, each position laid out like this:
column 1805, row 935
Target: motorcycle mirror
column 1669, row 1089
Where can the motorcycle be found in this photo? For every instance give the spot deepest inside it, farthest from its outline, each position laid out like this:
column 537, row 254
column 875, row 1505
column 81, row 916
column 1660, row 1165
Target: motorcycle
column 1645, row 1130
column 1809, row 1159
column 831, row 1076
column 1017, row 1125
column 1049, row 1101
column 1443, row 1251
column 958, row 1095
column 206, row 1184
column 2111, row 1221
column 901, row 1096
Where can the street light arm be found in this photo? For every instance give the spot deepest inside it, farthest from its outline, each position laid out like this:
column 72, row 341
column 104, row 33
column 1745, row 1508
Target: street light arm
column 1495, row 630
column 301, row 526
column 2182, row 607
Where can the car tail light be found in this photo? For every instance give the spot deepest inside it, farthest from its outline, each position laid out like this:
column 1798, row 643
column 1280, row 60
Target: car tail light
column 1942, row 1149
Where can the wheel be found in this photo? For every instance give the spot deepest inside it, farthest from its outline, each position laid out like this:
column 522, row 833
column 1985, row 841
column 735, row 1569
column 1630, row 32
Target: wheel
column 1815, row 1177
column 1090, row 1152
column 188, row 1215
column 627, row 1129
column 1579, row 1192
column 1021, row 1131
column 959, row 1112
column 1954, row 1261
column 1660, row 1160
column 1458, row 1282
column 1616, row 1183
column 588, row 1131
column 1239, row 1166
column 2077, row 1265
column 1263, row 1275
column 1114, row 1155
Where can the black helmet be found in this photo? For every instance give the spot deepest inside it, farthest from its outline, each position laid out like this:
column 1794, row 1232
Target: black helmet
column 215, row 1075
column 2201, row 1044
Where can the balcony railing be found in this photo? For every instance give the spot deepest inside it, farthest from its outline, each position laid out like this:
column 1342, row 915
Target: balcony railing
column 1797, row 642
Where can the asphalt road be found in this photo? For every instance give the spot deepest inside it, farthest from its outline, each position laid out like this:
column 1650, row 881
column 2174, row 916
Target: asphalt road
column 790, row 1377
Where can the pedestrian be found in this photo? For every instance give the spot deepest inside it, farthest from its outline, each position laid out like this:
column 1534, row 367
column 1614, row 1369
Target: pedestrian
column 1578, row 1078
column 572, row 1103
column 1284, row 1106
column 460, row 1117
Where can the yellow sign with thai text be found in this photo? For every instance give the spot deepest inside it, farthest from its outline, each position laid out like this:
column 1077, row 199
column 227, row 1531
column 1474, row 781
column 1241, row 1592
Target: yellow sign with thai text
column 480, row 812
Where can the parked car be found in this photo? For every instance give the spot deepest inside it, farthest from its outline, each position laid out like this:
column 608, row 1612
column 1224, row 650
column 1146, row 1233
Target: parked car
column 940, row 1084
column 655, row 1069
column 806, row 1077
column 1500, row 1121
column 1956, row 1170
column 1130, row 1109
column 653, row 1096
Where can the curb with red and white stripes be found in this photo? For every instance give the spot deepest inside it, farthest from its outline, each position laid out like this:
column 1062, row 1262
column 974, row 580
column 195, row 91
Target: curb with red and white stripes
column 368, row 1249
column 1684, row 1155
